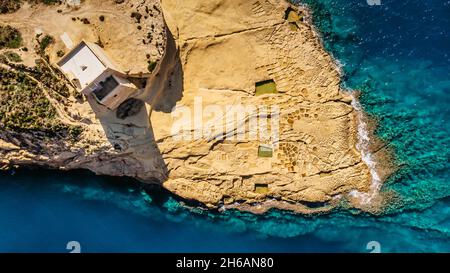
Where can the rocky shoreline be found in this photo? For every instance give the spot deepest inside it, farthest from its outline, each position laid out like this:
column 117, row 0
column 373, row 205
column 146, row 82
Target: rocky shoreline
column 311, row 164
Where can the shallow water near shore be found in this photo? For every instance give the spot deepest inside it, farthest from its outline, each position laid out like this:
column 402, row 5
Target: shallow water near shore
column 398, row 54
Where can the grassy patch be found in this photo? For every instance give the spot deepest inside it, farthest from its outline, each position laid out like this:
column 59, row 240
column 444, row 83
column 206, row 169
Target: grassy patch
column 12, row 56
column 9, row 6
column 265, row 87
column 52, row 80
column 10, row 37
column 45, row 42
column 75, row 131
column 23, row 106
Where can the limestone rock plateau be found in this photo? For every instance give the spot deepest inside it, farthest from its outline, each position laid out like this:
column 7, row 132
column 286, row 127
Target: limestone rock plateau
column 216, row 56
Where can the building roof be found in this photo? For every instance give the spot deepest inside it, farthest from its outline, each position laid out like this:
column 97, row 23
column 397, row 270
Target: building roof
column 85, row 62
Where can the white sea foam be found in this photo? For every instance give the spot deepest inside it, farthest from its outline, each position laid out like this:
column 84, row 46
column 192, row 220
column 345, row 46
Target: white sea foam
column 367, row 157
column 363, row 132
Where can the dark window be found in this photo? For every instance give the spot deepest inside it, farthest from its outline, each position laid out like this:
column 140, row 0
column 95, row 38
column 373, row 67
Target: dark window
column 105, row 88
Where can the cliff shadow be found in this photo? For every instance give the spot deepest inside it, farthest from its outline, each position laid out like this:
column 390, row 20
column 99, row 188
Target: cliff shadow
column 129, row 131
column 165, row 86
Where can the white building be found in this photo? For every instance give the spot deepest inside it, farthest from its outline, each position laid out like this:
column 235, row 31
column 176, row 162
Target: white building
column 92, row 72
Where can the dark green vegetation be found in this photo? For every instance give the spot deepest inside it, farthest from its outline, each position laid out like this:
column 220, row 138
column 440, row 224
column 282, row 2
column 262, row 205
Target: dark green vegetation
column 137, row 16
column 46, row 2
column 25, row 108
column 10, row 37
column 44, row 43
column 60, row 53
column 25, row 93
column 52, row 79
column 10, row 56
column 151, row 65
column 23, row 104
column 75, row 132
column 9, row 6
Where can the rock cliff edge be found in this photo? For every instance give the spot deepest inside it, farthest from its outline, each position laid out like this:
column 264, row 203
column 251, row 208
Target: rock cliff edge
column 243, row 108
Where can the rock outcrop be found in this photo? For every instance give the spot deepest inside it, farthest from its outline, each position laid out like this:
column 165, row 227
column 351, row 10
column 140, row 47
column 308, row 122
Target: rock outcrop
column 226, row 47
column 228, row 66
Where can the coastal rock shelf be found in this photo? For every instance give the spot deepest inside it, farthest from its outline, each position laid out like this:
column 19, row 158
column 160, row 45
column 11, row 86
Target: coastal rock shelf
column 230, row 46
column 258, row 53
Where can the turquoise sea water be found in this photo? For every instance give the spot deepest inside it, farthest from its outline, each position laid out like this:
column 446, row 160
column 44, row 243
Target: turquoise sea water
column 397, row 53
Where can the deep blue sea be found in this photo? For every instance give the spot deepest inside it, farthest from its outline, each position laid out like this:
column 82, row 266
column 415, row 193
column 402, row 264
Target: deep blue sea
column 397, row 53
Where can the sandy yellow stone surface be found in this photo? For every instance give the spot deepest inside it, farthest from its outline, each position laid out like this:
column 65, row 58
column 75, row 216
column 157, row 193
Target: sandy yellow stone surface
column 225, row 48
column 215, row 52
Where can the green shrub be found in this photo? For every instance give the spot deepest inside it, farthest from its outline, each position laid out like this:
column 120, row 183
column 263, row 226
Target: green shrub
column 25, row 108
column 12, row 56
column 137, row 16
column 45, row 42
column 75, row 131
column 50, row 2
column 8, row 6
column 10, row 37
column 23, row 105
column 151, row 65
